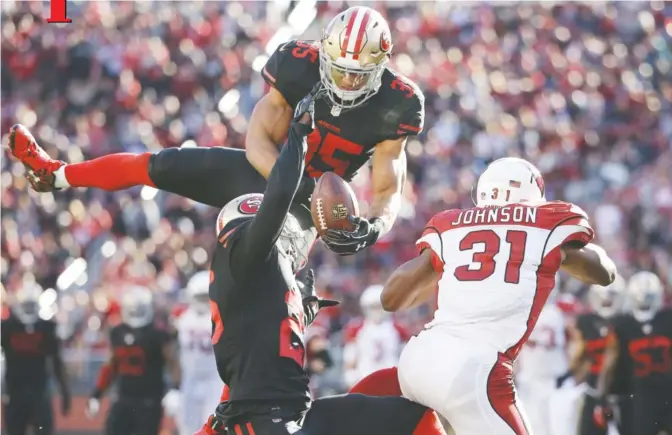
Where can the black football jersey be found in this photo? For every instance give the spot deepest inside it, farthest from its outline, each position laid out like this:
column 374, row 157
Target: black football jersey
column 258, row 328
column 139, row 360
column 648, row 347
column 344, row 143
column 28, row 349
column 596, row 332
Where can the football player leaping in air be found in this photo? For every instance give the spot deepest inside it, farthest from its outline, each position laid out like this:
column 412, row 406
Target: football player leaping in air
column 363, row 111
column 495, row 265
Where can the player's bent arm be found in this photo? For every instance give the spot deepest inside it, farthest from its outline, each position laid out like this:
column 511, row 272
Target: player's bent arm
column 267, row 129
column 108, row 372
column 577, row 356
column 589, row 264
column 389, row 174
column 412, row 284
column 283, row 183
column 606, row 378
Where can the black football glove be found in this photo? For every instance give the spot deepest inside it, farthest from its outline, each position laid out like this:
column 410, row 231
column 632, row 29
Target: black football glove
column 307, row 105
column 365, row 234
column 311, row 303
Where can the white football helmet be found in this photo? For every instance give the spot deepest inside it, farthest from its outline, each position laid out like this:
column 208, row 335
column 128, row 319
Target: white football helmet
column 243, row 206
column 354, row 51
column 26, row 306
column 137, row 307
column 645, row 292
column 371, row 306
column 509, row 180
column 198, row 292
column 607, row 301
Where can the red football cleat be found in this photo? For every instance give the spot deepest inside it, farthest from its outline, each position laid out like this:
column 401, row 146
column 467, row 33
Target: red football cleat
column 40, row 166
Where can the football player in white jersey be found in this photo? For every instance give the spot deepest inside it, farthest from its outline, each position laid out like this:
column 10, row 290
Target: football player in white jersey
column 373, row 342
column 201, row 384
column 495, row 265
column 542, row 361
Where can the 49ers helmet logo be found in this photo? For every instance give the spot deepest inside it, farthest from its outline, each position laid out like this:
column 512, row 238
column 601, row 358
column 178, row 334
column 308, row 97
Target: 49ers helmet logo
column 385, row 42
column 250, row 205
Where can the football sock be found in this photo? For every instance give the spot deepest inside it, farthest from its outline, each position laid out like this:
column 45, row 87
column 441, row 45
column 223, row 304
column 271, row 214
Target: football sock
column 111, row 172
column 386, row 383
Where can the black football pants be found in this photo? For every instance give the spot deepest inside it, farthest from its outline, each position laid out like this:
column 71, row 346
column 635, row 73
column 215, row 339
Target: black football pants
column 23, row 410
column 134, row 416
column 347, row 414
column 212, row 176
column 651, row 414
column 587, row 425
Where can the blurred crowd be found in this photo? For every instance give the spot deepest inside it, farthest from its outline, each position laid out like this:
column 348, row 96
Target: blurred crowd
column 582, row 90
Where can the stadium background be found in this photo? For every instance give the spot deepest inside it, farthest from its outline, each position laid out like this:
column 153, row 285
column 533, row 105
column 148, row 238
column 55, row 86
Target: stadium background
column 582, row 90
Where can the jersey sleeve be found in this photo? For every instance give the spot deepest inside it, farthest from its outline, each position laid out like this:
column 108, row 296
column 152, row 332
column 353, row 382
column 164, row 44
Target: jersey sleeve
column 570, row 226
column 412, row 121
column 431, row 238
column 291, row 70
column 411, row 118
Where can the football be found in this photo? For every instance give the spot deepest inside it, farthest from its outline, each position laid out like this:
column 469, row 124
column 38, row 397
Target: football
column 332, row 202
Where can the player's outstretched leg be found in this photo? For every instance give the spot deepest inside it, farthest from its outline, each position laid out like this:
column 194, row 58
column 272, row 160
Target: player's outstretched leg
column 385, row 382
column 111, row 172
column 212, row 176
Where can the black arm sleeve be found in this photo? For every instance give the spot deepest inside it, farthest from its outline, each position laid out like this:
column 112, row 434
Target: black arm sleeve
column 293, row 69
column 260, row 235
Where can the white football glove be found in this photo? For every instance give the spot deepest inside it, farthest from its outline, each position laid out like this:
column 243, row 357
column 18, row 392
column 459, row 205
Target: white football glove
column 92, row 408
column 171, row 402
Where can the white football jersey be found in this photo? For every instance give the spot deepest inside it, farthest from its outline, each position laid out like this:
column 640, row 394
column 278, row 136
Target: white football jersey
column 544, row 356
column 197, row 357
column 372, row 346
column 498, row 267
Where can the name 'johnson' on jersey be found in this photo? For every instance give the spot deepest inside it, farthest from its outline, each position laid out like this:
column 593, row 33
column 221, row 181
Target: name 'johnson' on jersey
column 497, row 267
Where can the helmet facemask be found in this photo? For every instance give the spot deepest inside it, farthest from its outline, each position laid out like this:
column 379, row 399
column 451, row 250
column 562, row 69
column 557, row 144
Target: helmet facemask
column 293, row 243
column 349, row 86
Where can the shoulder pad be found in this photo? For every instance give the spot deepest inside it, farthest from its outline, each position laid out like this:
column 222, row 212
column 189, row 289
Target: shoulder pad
column 560, row 213
column 443, row 221
column 293, row 69
column 562, row 207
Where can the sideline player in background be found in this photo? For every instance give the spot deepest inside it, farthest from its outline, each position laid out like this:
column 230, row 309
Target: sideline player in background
column 141, row 351
column 373, row 342
column 643, row 346
column 367, row 113
column 495, row 265
column 542, row 361
column 201, row 384
column 260, row 313
column 590, row 337
column 30, row 343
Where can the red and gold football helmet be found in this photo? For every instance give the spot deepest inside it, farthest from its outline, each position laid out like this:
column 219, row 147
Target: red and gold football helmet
column 354, row 51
